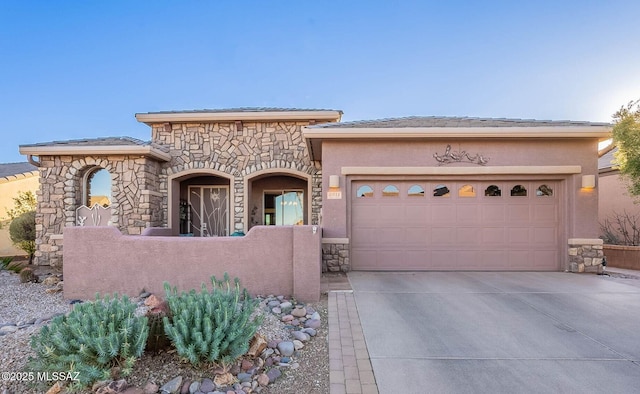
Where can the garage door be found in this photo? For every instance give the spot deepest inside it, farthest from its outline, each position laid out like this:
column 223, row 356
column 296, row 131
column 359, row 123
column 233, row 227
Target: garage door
column 455, row 225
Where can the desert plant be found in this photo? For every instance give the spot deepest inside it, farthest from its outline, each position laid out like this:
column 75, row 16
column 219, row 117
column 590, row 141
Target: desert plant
column 157, row 339
column 97, row 341
column 6, row 263
column 621, row 229
column 211, row 326
column 22, row 231
column 27, row 275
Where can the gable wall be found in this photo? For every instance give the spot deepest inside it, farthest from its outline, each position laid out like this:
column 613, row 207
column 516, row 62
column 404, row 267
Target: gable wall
column 135, row 206
column 238, row 152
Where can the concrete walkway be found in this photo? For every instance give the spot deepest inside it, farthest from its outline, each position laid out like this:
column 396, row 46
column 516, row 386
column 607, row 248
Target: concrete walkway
column 350, row 369
column 488, row 332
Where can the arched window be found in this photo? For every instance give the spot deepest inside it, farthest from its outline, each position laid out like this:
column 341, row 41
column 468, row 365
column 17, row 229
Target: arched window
column 466, row 191
column 364, row 191
column 390, row 191
column 98, row 188
column 415, row 191
column 544, row 190
column 492, row 191
column 441, row 191
column 519, row 191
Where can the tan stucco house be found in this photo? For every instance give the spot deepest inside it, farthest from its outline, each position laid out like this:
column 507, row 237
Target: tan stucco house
column 613, row 193
column 416, row 193
column 14, row 178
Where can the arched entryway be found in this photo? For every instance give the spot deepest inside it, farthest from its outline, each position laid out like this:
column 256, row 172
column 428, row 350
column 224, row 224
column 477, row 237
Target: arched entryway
column 201, row 204
column 278, row 198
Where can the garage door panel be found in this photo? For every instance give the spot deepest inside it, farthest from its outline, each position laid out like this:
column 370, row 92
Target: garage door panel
column 443, row 235
column 365, row 237
column 467, row 213
column 519, row 235
column 417, row 236
column 366, row 258
column 492, row 212
column 493, row 258
column 519, row 259
column 468, row 259
column 390, row 214
column 442, row 213
column 424, row 232
column 365, row 215
column 416, row 214
column 545, row 213
column 493, row 235
column 545, row 235
column 468, row 236
column 442, row 259
column 546, row 259
column 391, row 235
column 518, row 213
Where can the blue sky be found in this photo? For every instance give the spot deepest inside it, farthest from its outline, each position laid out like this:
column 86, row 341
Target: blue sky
column 84, row 68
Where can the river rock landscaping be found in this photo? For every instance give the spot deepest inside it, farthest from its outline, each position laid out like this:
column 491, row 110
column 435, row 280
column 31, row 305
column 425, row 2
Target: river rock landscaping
column 288, row 354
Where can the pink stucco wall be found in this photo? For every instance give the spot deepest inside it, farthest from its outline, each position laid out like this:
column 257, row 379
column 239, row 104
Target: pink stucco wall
column 614, row 196
column 268, row 260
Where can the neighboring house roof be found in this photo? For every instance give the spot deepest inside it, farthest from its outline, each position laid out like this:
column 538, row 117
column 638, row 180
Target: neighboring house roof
column 606, row 162
column 443, row 121
column 97, row 146
column 241, row 114
column 13, row 171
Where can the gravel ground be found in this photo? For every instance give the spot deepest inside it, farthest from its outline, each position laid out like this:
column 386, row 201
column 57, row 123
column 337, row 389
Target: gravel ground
column 22, row 302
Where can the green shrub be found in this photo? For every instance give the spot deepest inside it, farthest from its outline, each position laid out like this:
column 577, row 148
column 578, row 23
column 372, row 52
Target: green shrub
column 211, row 326
column 5, row 261
column 22, row 232
column 98, row 340
column 7, row 264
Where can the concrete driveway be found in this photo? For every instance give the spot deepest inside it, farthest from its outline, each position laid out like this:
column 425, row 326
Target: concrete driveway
column 505, row 332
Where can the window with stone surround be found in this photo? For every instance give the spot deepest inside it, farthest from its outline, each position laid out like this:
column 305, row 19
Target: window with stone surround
column 97, row 187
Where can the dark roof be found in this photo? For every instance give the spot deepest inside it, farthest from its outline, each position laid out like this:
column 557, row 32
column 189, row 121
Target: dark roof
column 606, row 161
column 444, row 121
column 105, row 141
column 242, row 109
column 9, row 169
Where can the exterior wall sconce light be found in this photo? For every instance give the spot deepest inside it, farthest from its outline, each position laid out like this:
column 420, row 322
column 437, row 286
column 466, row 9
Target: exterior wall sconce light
column 334, row 181
column 588, row 181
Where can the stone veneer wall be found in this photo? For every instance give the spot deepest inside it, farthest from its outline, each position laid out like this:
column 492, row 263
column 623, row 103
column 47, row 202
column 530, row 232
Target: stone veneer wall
column 136, row 201
column 585, row 255
column 238, row 151
column 335, row 255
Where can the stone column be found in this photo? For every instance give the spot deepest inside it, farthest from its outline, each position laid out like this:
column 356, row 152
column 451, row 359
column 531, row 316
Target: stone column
column 585, row 255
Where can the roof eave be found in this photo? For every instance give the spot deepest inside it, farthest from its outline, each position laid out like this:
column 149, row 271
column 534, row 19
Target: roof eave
column 458, row 132
column 315, row 135
column 196, row 117
column 146, row 150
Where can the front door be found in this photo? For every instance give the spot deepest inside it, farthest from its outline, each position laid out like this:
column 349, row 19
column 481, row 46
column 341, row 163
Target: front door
column 209, row 211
